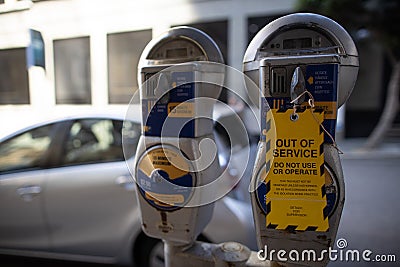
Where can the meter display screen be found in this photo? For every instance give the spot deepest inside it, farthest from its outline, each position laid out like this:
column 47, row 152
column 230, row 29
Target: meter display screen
column 297, row 43
column 176, row 53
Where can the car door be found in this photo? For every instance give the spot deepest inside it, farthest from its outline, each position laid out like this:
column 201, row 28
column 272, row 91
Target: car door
column 22, row 175
column 90, row 202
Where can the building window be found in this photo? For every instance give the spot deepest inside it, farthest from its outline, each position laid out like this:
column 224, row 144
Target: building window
column 14, row 88
column 124, row 50
column 218, row 31
column 72, row 71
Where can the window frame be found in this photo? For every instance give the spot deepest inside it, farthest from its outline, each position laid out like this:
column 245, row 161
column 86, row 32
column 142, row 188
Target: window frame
column 59, row 134
column 87, row 68
column 13, row 92
column 44, row 163
column 66, row 131
column 113, row 97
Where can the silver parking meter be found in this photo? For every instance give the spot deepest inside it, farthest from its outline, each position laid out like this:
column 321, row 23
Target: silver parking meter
column 169, row 165
column 306, row 66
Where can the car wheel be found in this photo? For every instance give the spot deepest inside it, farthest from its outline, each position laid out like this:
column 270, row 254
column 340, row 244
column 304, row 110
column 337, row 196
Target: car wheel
column 156, row 255
column 149, row 252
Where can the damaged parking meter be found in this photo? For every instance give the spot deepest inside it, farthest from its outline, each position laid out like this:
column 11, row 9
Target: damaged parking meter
column 172, row 156
column 306, row 66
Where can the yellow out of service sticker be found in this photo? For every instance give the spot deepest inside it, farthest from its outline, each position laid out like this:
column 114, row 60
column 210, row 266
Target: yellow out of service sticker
column 296, row 197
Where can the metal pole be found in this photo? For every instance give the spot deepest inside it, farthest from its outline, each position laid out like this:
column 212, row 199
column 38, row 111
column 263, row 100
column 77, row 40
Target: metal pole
column 202, row 254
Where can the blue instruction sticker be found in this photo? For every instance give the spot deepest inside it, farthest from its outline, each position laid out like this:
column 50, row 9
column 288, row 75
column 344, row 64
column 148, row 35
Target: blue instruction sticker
column 172, row 115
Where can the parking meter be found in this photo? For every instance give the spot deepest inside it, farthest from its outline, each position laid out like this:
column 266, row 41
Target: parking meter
column 168, row 168
column 306, row 66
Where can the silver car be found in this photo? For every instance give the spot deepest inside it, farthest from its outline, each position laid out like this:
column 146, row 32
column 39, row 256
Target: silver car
column 66, row 193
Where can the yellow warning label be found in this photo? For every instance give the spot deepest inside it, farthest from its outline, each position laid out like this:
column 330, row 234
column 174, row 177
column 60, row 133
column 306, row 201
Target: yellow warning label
column 299, row 217
column 295, row 196
column 165, row 159
column 162, row 199
column 181, row 110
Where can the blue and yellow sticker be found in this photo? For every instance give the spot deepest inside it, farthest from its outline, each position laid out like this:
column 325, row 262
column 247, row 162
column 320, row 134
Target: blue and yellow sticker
column 322, row 83
column 172, row 115
column 164, row 179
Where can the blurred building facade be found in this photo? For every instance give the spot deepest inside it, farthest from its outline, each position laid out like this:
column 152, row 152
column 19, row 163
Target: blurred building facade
column 90, row 50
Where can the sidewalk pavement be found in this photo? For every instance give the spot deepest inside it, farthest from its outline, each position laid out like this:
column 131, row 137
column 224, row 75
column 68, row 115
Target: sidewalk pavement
column 352, row 148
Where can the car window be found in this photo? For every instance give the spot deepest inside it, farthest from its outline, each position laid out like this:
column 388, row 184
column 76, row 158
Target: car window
column 93, row 141
column 25, row 151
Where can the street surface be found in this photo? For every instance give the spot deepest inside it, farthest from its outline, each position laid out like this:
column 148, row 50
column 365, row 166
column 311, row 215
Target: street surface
column 371, row 218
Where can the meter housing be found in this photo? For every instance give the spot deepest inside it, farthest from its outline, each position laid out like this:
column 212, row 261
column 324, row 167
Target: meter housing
column 323, row 55
column 174, row 74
